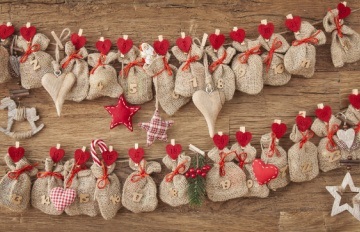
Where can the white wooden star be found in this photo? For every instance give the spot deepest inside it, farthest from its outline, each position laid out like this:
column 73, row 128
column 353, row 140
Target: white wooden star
column 334, row 191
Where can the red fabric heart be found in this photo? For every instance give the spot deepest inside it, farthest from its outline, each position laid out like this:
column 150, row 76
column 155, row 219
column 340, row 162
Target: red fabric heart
column 109, row 157
column 124, row 45
column 266, row 30
column 344, row 11
column 278, row 129
column 238, row 35
column 355, row 100
column 56, row 154
column 184, row 44
column 221, row 141
column 264, row 172
column 78, row 41
column 161, row 47
column 81, row 156
column 293, row 24
column 136, row 154
column 28, row 33
column 243, row 138
column 103, row 46
column 324, row 114
column 6, row 31
column 303, row 123
column 16, row 153
column 217, row 41
column 61, row 198
column 173, row 150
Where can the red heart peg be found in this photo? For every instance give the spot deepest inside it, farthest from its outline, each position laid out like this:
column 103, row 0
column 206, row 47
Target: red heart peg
column 103, row 46
column 216, row 41
column 81, row 156
column 344, row 11
column 303, row 123
column 221, row 141
column 109, row 157
column 161, row 47
column 243, row 138
column 324, row 114
column 266, row 30
column 184, row 44
column 56, row 154
column 6, row 31
column 293, row 24
column 238, row 35
column 173, row 150
column 136, row 154
column 78, row 41
column 124, row 45
column 16, row 153
column 28, row 33
column 278, row 129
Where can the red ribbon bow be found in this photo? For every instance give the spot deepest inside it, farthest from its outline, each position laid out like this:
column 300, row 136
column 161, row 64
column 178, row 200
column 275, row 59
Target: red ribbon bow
column 272, row 149
column 245, row 56
column 126, row 70
column 180, row 168
column 74, row 55
column 223, row 155
column 100, row 63
column 331, row 145
column 54, row 174
column 275, row 45
column 312, row 39
column 305, row 137
column 16, row 173
column 216, row 63
column 189, row 61
column 104, row 180
column 29, row 50
column 166, row 68
column 242, row 157
column 137, row 177
column 74, row 171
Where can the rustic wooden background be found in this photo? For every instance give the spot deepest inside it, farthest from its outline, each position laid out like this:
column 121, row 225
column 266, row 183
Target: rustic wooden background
column 298, row 207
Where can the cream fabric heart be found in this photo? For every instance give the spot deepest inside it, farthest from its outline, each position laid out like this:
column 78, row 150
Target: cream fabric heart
column 347, row 136
column 209, row 104
column 58, row 87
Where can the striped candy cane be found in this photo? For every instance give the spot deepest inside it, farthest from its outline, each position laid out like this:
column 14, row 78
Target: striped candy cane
column 102, row 146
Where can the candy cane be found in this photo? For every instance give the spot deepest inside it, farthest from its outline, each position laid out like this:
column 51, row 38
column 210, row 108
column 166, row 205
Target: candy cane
column 102, row 146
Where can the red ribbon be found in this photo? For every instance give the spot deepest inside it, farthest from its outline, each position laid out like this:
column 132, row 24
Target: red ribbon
column 29, row 50
column 275, row 45
column 331, row 145
column 74, row 55
column 180, row 168
column 189, row 61
column 242, row 157
column 104, row 180
column 100, row 63
column 223, row 155
column 216, row 63
column 137, row 177
column 305, row 137
column 245, row 56
column 312, row 39
column 127, row 68
column 272, row 148
column 54, row 174
column 166, row 68
column 74, row 171
column 357, row 128
column 16, row 173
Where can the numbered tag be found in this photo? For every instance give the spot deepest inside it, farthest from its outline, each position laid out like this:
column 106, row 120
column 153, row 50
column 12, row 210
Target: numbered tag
column 225, row 184
column 132, row 88
column 173, row 192
column 194, row 82
column 306, row 167
column 242, row 72
column 305, row 63
column 16, row 199
column 278, row 69
column 175, row 95
column 346, row 45
column 84, row 197
column 283, row 171
column 35, row 64
column 332, row 156
column 45, row 200
column 249, row 183
column 100, row 85
column 137, row 197
column 115, row 199
column 220, row 84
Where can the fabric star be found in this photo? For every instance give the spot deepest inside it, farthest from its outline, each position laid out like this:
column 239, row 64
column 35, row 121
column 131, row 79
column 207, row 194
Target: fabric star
column 122, row 113
column 334, row 191
column 156, row 128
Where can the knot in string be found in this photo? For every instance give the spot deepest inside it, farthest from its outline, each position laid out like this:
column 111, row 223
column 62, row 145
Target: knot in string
column 54, row 174
column 305, row 137
column 221, row 163
column 190, row 60
column 74, row 172
column 331, row 145
column 166, row 68
column 272, row 148
column 275, row 45
column 142, row 173
column 242, row 157
column 104, row 180
column 14, row 175
column 29, row 50
column 216, row 63
column 73, row 55
column 100, row 63
column 312, row 39
column 125, row 71
column 244, row 57
column 180, row 168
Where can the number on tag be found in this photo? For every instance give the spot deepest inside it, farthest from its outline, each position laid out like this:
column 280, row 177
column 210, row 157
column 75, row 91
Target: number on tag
column 35, row 64
column 225, row 184
column 220, row 83
column 305, row 63
column 332, row 156
column 132, row 88
column 45, row 200
column 175, row 95
column 137, row 197
column 306, row 167
column 16, row 199
column 242, row 72
column 278, row 69
column 115, row 199
column 173, row 192
column 249, row 183
column 84, row 197
column 283, row 171
column 194, row 82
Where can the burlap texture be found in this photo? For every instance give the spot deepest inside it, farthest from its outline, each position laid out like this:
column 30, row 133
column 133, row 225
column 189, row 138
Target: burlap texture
column 145, row 187
column 223, row 76
column 276, row 75
column 169, row 101
column 279, row 160
column 15, row 193
column 175, row 192
column 31, row 78
column 215, row 188
column 79, row 67
column 136, row 77
column 352, row 114
column 353, row 151
column 303, row 162
column 103, row 82
column 321, row 129
column 255, row 189
column 109, row 197
column 43, row 186
column 344, row 48
column 184, row 81
column 84, row 182
column 4, row 62
column 301, row 59
column 248, row 76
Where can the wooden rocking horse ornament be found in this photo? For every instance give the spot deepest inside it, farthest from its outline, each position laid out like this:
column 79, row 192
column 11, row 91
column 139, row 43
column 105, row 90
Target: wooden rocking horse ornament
column 19, row 113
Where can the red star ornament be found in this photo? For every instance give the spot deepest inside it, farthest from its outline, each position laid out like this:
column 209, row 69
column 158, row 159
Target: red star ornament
column 122, row 113
column 156, row 128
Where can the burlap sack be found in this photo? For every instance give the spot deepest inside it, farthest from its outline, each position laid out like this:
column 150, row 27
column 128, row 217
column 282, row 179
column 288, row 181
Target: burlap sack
column 246, row 155
column 136, row 83
column 75, row 62
column 174, row 187
column 164, row 74
column 191, row 75
column 300, row 59
column 225, row 180
column 83, row 181
column 34, row 64
column 352, row 114
column 274, row 72
column 248, row 67
column 15, row 186
column 107, row 191
column 223, row 75
column 4, row 61
column 328, row 152
column 302, row 156
column 139, row 191
column 277, row 157
column 345, row 43
column 45, row 182
column 103, row 81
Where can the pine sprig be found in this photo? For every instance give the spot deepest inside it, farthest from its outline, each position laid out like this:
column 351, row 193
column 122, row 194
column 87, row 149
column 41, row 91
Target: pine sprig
column 196, row 188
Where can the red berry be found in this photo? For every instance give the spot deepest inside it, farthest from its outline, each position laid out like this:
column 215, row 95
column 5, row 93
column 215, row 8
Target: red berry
column 193, row 175
column 191, row 170
column 204, row 169
column 187, row 175
column 198, row 171
column 203, row 174
column 208, row 167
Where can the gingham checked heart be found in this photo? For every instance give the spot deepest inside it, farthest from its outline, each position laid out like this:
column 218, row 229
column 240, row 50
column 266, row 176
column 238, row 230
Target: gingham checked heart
column 61, row 198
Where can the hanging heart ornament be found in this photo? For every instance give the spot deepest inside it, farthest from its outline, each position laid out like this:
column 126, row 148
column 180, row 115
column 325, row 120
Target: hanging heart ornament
column 347, row 136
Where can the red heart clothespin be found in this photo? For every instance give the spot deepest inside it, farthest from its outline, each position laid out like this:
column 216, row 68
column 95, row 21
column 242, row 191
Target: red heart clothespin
column 243, row 137
column 293, row 23
column 81, row 156
column 173, row 150
column 184, row 43
column 78, row 40
column 136, row 154
column 161, row 46
column 6, row 30
column 303, row 123
column 354, row 99
column 217, row 39
column 266, row 29
column 279, row 129
column 323, row 113
column 110, row 156
column 221, row 140
column 56, row 153
column 103, row 45
column 16, row 153
column 28, row 32
column 344, row 11
column 124, row 44
column 238, row 34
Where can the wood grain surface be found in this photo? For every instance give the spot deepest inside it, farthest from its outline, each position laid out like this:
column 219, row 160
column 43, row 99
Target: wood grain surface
column 297, row 207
